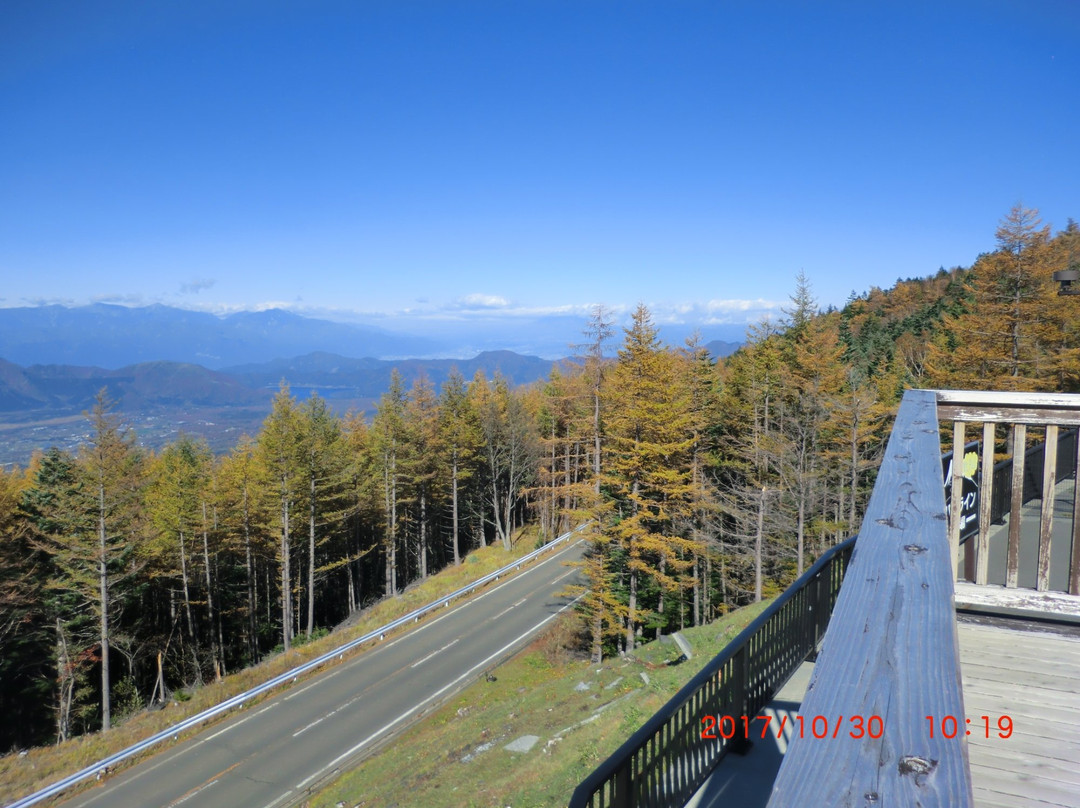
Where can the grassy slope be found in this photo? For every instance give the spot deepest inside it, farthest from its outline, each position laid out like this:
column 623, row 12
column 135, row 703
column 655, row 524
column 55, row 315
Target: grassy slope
column 456, row 757
column 23, row 774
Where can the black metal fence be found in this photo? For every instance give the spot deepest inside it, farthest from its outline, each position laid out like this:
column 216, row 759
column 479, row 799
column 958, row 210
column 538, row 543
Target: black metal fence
column 667, row 760
column 1033, row 474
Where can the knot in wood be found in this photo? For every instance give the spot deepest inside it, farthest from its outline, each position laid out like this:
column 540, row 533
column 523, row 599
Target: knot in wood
column 917, row 766
column 871, row 797
column 914, row 549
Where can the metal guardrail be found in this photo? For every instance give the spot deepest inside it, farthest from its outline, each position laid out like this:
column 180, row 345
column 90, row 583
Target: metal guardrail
column 667, row 760
column 172, row 732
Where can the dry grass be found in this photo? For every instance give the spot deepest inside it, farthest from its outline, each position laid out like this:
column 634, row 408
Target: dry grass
column 25, row 773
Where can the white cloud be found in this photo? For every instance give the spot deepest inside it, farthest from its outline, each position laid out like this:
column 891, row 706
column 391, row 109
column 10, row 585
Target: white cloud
column 196, row 285
column 479, row 301
column 714, row 306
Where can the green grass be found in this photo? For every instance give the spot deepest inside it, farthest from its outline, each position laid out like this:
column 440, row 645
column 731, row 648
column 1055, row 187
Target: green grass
column 456, row 757
column 24, row 774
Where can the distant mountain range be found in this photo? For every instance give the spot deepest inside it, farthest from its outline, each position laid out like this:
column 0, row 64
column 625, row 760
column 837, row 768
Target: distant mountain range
column 116, row 336
column 110, row 336
column 171, row 370
column 42, row 405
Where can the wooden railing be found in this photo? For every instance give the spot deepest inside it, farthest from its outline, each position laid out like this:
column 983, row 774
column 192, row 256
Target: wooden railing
column 890, row 655
column 1046, row 413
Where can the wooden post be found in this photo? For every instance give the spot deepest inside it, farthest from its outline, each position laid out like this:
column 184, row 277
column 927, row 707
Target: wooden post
column 1012, row 555
column 1046, row 522
column 1074, row 556
column 957, row 501
column 986, row 491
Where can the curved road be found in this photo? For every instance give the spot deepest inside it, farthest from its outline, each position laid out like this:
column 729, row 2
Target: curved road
column 272, row 754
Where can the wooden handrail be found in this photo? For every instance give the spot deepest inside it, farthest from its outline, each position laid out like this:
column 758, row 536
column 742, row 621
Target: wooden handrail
column 890, row 656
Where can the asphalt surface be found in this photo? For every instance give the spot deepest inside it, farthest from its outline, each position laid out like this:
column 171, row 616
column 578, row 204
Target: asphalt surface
column 274, row 753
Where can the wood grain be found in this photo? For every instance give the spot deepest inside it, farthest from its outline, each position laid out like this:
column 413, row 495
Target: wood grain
column 891, row 646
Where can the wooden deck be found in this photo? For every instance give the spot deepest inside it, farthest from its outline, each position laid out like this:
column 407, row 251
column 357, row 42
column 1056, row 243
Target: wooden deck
column 1032, row 676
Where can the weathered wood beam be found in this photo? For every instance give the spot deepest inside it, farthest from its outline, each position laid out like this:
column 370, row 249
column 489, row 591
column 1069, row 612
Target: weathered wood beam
column 1046, row 521
column 891, row 649
column 956, row 502
column 1012, row 554
column 1074, row 556
column 986, row 495
column 999, row 415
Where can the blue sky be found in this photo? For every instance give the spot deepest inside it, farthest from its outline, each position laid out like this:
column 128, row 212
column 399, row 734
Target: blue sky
column 443, row 165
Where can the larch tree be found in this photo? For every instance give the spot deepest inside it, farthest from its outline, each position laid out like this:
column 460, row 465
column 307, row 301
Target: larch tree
column 113, row 470
column 1001, row 340
column 646, row 469
column 459, row 431
column 281, row 454
column 244, row 490
column 388, row 430
column 422, row 464
column 179, row 477
column 323, row 462
column 510, row 450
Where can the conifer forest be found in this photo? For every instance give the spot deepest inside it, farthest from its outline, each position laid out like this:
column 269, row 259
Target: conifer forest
column 126, row 575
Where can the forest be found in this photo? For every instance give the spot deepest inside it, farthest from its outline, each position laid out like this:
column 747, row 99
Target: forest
column 127, row 575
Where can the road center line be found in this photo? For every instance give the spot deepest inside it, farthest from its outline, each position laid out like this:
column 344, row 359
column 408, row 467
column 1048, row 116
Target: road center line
column 418, row 663
column 508, row 608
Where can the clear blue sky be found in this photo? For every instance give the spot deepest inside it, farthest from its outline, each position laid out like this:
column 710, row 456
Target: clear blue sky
column 415, row 161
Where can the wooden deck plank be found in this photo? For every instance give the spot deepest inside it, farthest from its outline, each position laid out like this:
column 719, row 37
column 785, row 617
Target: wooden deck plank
column 1060, row 771
column 1034, row 678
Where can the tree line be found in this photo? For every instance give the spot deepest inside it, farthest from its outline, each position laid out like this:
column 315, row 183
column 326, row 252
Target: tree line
column 126, row 575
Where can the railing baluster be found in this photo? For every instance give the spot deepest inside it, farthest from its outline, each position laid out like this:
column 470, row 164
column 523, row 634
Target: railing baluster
column 1012, row 559
column 986, row 493
column 957, row 500
column 1046, row 523
column 1074, row 556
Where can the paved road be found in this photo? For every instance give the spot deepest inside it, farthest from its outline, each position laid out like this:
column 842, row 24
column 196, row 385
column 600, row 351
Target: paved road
column 271, row 754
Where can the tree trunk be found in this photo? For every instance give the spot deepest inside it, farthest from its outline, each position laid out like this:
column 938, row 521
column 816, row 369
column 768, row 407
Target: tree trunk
column 454, row 507
column 423, row 535
column 286, row 578
column 311, row 561
column 187, row 591
column 253, row 644
column 215, row 649
column 66, row 679
column 103, row 587
column 758, row 541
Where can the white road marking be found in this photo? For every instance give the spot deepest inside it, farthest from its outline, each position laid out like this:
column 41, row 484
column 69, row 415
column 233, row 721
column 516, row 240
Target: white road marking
column 234, row 725
column 420, row 705
column 420, row 662
column 191, row 794
column 508, row 608
column 279, row 800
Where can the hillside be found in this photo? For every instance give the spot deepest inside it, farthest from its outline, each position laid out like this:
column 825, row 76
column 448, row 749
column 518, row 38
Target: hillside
column 42, row 405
